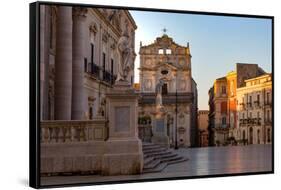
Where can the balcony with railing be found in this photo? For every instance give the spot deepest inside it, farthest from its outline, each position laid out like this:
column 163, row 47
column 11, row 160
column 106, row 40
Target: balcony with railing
column 243, row 122
column 109, row 77
column 257, row 104
column 93, row 70
column 250, row 121
column 169, row 98
column 221, row 128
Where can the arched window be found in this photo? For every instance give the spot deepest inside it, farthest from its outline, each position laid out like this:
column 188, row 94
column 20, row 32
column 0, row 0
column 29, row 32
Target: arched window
column 258, row 136
column 251, row 135
column 223, row 121
column 165, row 89
column 268, row 116
column 92, row 52
column 85, row 64
column 244, row 135
column 268, row 136
column 223, row 89
column 91, row 112
column 160, row 51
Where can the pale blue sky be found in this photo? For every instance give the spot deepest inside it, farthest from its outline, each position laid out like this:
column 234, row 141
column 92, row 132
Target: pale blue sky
column 216, row 43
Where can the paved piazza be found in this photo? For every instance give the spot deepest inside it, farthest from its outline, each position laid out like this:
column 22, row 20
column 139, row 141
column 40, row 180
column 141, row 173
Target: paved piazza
column 202, row 161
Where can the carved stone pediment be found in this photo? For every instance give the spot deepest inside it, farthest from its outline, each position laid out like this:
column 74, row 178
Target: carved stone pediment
column 165, row 65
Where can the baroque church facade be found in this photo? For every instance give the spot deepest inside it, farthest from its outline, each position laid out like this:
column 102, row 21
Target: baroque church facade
column 166, row 61
column 79, row 59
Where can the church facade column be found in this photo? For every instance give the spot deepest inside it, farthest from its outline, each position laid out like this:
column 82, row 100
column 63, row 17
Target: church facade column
column 45, row 115
column 63, row 64
column 78, row 91
column 44, row 60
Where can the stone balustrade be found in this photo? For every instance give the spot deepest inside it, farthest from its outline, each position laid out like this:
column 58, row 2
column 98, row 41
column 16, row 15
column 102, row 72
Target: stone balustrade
column 59, row 131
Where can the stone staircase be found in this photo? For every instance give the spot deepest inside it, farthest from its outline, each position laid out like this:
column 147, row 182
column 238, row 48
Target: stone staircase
column 156, row 157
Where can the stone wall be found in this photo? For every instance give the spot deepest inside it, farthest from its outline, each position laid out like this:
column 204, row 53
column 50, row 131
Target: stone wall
column 72, row 157
column 72, row 146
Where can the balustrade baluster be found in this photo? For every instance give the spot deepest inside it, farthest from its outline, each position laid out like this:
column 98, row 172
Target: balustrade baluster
column 73, row 133
column 57, row 130
column 67, row 134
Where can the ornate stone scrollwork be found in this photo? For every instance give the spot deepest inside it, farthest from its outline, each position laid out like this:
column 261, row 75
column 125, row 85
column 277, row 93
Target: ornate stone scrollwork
column 105, row 37
column 93, row 28
column 79, row 12
column 113, row 44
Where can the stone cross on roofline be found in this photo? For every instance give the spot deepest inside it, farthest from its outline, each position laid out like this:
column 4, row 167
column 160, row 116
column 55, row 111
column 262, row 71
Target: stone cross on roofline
column 164, row 31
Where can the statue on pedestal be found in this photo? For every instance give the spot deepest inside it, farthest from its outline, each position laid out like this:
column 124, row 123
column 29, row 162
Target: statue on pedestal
column 127, row 57
column 159, row 94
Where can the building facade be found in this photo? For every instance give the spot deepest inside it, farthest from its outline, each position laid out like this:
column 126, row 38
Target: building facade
column 218, row 122
column 203, row 134
column 171, row 63
column 229, row 110
column 79, row 59
column 255, row 111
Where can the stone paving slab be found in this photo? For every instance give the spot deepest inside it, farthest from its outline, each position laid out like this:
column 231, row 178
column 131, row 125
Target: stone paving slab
column 202, row 161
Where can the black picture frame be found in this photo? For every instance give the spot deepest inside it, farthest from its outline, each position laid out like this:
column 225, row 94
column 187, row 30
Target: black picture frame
column 34, row 98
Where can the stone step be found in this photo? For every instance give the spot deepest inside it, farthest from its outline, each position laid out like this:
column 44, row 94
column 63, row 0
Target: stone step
column 171, row 159
column 148, row 160
column 152, row 164
column 157, row 157
column 161, row 153
column 165, row 156
column 153, row 150
column 159, row 168
column 148, row 147
column 178, row 161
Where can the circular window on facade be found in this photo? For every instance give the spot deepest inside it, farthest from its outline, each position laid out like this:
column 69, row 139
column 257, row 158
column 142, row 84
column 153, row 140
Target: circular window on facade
column 164, row 72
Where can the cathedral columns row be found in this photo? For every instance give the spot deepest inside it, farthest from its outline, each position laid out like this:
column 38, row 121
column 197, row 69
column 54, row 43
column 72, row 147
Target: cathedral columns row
column 69, row 89
column 78, row 91
column 44, row 60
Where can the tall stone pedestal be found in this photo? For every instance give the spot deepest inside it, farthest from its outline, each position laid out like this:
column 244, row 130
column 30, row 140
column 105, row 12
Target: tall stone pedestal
column 123, row 153
column 159, row 128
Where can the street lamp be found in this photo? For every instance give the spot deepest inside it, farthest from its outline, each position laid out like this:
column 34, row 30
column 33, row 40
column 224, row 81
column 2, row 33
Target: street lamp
column 176, row 134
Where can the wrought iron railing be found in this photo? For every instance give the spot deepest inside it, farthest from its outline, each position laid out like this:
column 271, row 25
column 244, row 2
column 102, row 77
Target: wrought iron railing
column 95, row 70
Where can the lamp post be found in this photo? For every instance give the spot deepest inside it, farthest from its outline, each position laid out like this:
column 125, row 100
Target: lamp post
column 176, row 133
